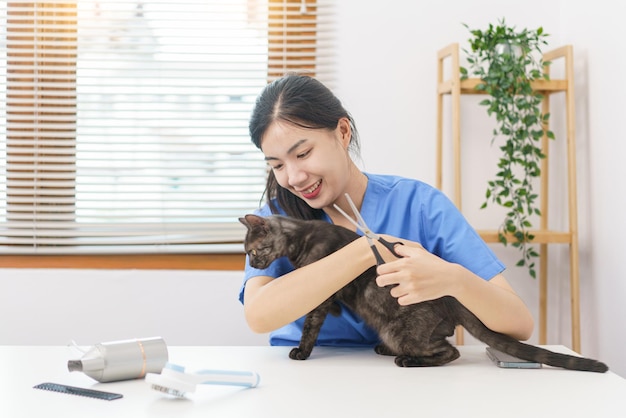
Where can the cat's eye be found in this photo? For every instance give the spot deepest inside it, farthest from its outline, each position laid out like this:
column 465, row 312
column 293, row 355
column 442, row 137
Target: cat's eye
column 252, row 253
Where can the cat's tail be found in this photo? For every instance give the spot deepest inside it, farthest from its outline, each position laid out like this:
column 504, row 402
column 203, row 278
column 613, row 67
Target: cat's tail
column 524, row 351
column 541, row 355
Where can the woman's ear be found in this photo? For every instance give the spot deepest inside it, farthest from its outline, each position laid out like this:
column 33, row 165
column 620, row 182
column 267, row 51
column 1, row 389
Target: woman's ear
column 345, row 131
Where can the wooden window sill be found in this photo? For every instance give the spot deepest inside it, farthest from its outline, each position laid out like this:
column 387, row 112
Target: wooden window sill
column 226, row 261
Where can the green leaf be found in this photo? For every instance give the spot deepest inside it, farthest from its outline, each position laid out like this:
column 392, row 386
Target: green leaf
column 520, row 124
column 502, row 239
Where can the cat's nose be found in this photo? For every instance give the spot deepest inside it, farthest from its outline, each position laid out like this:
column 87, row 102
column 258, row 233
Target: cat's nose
column 257, row 264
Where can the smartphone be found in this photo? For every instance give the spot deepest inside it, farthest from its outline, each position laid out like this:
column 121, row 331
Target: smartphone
column 507, row 361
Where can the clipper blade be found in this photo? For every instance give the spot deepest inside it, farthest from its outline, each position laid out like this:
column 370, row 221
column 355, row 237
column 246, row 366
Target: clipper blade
column 170, row 385
column 169, row 391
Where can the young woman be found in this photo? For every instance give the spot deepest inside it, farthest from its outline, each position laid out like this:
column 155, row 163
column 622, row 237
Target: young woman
column 306, row 136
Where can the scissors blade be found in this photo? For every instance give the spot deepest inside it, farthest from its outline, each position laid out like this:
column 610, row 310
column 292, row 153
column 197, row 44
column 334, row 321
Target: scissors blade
column 348, row 217
column 363, row 226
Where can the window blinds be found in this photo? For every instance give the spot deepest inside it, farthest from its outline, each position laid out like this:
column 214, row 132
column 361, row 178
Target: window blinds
column 124, row 124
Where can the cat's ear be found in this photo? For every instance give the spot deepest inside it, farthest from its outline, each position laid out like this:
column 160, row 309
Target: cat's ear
column 252, row 221
column 245, row 222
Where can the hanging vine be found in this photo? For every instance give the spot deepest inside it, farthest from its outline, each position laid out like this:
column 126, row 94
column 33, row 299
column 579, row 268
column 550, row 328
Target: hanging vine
column 507, row 62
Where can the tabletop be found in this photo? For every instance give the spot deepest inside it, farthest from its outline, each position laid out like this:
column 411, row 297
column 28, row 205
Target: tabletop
column 333, row 382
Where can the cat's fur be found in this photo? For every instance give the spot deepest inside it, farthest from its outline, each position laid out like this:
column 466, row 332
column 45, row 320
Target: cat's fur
column 416, row 334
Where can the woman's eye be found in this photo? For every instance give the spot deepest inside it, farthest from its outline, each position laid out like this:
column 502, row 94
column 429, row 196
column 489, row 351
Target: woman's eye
column 304, row 154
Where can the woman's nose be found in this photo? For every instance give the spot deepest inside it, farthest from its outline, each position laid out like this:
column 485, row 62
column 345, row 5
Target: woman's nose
column 296, row 176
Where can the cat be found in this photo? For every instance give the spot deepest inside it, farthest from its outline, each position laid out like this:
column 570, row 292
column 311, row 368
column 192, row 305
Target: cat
column 415, row 334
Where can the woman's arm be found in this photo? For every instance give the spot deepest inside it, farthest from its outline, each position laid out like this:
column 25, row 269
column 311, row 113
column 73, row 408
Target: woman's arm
column 272, row 303
column 420, row 276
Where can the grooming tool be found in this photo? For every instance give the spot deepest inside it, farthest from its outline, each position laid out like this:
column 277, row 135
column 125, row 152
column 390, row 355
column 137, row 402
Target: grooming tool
column 371, row 236
column 73, row 390
column 122, row 360
column 174, row 381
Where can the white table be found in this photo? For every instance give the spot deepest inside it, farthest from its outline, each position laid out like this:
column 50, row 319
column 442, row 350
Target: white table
column 334, row 382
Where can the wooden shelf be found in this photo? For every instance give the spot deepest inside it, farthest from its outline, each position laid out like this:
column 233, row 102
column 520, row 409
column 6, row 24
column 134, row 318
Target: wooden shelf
column 468, row 86
column 541, row 236
column 454, row 87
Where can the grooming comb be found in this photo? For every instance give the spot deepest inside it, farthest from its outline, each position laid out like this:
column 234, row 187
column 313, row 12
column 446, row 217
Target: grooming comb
column 72, row 390
column 174, row 381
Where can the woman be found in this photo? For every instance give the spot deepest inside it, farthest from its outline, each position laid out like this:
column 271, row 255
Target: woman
column 306, row 136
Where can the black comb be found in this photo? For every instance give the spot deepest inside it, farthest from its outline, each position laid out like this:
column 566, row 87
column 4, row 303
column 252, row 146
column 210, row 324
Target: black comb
column 72, row 390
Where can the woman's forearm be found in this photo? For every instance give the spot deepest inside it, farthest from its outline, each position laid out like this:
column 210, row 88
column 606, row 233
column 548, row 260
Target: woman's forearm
column 272, row 303
column 495, row 304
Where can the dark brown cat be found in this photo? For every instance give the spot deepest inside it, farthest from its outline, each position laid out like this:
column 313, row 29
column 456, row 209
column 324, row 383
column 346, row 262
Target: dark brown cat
column 416, row 334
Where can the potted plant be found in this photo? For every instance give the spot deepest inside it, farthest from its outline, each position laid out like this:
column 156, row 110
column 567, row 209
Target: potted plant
column 507, row 61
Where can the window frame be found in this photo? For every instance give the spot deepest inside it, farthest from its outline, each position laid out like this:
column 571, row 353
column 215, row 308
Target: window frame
column 285, row 53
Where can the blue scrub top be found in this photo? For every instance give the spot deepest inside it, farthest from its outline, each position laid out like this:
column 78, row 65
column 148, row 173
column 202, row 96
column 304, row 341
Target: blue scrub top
column 404, row 208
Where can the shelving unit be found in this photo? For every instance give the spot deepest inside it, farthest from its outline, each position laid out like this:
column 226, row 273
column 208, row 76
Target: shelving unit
column 455, row 88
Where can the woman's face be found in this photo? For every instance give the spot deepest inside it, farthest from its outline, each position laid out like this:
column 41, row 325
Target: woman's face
column 313, row 164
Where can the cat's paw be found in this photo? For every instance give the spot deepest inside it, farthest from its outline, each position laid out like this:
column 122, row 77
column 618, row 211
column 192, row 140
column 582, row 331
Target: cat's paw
column 383, row 350
column 408, row 361
column 298, row 354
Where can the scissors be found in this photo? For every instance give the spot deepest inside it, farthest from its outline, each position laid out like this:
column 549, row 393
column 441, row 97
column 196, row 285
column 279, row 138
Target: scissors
column 371, row 236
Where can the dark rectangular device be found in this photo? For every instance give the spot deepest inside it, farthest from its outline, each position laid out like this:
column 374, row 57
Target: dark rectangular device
column 507, row 361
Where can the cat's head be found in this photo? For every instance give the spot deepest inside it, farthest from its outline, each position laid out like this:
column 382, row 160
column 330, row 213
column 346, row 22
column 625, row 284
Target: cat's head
column 261, row 246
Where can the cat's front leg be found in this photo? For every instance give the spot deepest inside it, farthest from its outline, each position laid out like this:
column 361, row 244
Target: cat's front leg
column 311, row 329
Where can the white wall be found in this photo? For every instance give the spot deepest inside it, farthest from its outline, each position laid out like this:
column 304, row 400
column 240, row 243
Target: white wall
column 591, row 27
column 387, row 54
column 387, row 73
column 54, row 307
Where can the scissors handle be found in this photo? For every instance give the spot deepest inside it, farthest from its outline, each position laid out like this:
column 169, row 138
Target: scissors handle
column 379, row 258
column 366, row 231
column 388, row 245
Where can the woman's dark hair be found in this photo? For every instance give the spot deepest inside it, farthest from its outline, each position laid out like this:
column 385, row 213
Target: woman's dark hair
column 305, row 102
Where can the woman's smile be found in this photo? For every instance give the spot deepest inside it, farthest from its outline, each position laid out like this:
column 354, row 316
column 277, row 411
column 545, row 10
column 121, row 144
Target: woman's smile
column 312, row 191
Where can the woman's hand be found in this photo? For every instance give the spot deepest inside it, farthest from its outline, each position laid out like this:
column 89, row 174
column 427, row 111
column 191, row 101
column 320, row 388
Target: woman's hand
column 417, row 276
column 420, row 276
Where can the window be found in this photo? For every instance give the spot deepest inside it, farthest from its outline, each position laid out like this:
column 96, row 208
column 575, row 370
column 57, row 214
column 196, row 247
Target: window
column 124, row 123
